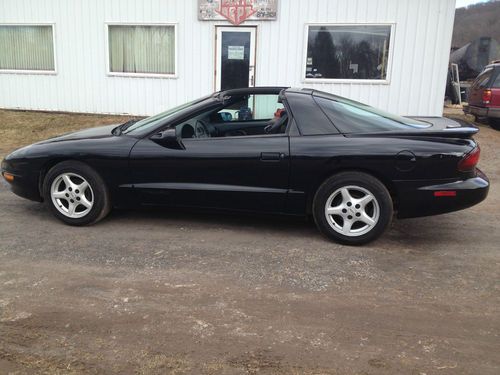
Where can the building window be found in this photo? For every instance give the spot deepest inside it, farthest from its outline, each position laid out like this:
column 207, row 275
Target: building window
column 142, row 49
column 27, row 48
column 348, row 52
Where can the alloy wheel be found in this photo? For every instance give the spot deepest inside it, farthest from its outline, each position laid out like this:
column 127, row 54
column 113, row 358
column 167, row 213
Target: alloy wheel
column 72, row 195
column 352, row 211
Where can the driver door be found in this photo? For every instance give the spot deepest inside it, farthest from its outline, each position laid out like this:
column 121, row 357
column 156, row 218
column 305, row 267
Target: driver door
column 248, row 172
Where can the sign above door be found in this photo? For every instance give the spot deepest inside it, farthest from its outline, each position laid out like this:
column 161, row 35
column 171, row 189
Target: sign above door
column 237, row 11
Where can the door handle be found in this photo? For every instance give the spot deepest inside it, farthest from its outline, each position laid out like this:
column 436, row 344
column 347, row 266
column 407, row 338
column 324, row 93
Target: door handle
column 271, row 156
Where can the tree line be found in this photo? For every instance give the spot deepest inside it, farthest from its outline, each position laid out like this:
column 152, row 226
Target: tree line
column 475, row 21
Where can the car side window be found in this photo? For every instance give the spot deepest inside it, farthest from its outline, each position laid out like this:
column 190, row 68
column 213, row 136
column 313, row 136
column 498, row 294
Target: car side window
column 244, row 115
column 496, row 84
column 250, row 108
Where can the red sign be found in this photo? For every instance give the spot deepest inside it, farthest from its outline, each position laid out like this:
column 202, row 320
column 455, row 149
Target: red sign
column 236, row 11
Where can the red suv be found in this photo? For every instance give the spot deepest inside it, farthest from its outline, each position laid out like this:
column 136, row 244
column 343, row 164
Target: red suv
column 484, row 95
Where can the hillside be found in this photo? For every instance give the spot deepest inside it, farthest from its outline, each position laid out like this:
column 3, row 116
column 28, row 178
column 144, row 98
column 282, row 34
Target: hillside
column 476, row 21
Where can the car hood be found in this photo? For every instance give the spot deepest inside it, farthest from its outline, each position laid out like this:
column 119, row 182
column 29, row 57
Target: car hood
column 92, row 133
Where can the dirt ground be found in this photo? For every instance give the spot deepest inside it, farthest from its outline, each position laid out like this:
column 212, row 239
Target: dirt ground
column 187, row 293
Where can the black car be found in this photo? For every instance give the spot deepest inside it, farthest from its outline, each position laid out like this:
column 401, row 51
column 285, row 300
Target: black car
column 275, row 150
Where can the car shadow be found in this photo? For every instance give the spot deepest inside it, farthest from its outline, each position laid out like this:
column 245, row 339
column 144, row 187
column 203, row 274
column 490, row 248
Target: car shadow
column 207, row 219
column 417, row 233
column 426, row 233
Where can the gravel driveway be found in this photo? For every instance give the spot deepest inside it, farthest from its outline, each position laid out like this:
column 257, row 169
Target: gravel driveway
column 188, row 293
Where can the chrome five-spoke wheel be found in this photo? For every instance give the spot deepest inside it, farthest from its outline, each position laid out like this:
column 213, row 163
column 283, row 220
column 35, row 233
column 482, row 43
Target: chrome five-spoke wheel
column 352, row 208
column 72, row 195
column 75, row 193
column 352, row 211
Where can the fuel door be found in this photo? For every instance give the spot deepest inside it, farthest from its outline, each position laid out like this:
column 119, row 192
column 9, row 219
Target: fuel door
column 406, row 161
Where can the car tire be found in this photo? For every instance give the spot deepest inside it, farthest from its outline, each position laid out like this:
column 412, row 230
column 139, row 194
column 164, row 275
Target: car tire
column 495, row 123
column 76, row 194
column 352, row 208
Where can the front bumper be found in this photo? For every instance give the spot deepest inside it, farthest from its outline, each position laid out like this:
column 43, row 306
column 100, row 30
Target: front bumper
column 417, row 201
column 25, row 184
column 482, row 111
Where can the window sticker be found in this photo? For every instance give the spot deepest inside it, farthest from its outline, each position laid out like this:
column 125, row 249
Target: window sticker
column 236, row 52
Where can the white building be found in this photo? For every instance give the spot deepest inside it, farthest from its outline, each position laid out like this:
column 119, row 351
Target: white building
column 143, row 56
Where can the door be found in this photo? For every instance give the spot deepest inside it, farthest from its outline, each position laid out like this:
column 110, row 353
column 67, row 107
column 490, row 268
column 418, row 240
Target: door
column 220, row 158
column 235, row 57
column 237, row 173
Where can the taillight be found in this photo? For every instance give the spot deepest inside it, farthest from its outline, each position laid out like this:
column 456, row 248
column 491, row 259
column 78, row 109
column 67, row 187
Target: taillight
column 487, row 96
column 469, row 161
column 445, row 193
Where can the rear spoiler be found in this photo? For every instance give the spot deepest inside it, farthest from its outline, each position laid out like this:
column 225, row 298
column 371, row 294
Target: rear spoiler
column 440, row 127
column 444, row 133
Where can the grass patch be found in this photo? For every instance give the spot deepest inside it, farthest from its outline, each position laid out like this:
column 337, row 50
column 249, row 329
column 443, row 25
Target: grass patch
column 21, row 128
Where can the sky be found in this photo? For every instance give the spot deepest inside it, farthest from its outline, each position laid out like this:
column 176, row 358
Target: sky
column 464, row 3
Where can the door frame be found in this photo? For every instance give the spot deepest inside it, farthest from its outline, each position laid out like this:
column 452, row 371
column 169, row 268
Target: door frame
column 218, row 57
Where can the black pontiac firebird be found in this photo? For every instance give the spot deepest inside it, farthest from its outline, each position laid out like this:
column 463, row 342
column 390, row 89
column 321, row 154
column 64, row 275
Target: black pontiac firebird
column 274, row 150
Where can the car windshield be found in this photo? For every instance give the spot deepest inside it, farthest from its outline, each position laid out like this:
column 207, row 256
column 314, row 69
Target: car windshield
column 350, row 116
column 151, row 122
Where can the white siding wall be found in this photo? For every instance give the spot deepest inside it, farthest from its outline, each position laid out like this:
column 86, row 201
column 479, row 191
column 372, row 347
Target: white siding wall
column 423, row 30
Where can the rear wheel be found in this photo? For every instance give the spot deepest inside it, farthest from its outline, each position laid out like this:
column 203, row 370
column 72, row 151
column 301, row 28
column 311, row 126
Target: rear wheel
column 76, row 194
column 352, row 208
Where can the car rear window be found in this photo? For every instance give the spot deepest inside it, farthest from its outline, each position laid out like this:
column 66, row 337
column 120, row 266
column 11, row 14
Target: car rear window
column 483, row 79
column 353, row 117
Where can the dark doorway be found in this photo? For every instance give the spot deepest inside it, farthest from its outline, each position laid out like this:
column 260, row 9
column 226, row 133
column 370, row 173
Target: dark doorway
column 235, row 57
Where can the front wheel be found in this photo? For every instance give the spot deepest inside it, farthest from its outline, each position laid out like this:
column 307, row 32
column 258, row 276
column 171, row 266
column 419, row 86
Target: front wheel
column 76, row 194
column 352, row 208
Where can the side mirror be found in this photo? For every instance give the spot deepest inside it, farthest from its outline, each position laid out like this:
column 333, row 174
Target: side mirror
column 168, row 138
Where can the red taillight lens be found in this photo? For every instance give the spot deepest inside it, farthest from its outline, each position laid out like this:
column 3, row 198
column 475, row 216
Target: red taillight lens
column 445, row 193
column 487, row 96
column 469, row 161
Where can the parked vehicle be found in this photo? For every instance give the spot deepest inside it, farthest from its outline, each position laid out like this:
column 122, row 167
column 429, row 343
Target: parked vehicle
column 297, row 152
column 484, row 96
